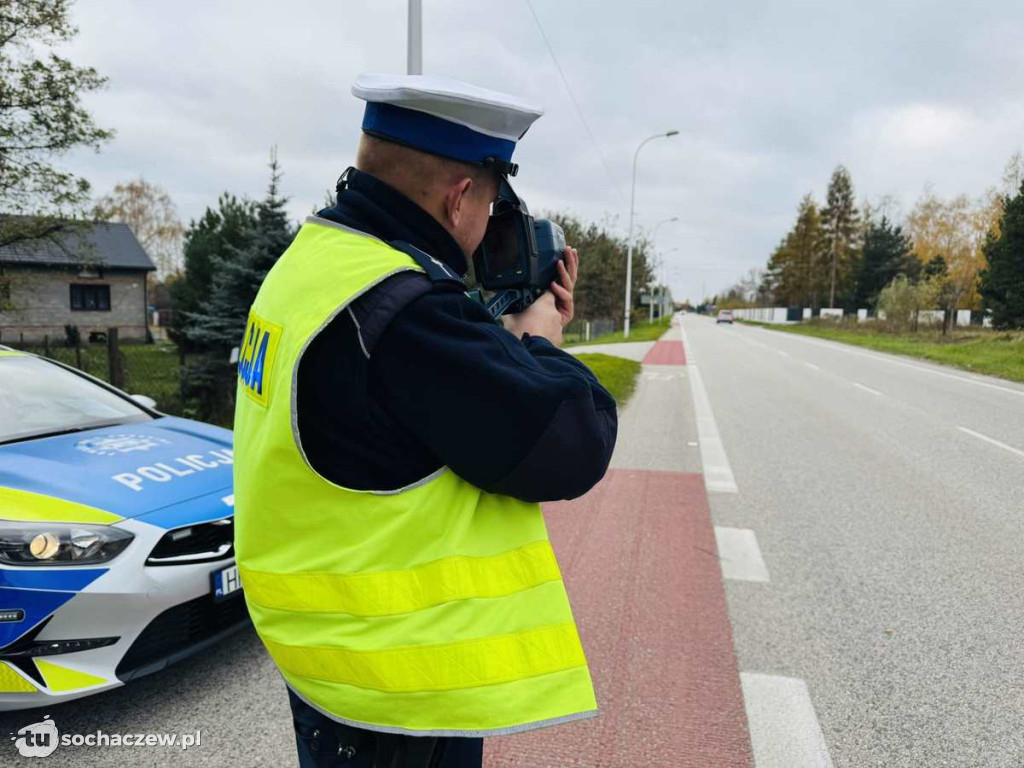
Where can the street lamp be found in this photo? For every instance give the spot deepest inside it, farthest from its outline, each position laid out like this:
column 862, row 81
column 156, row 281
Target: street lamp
column 654, row 232
column 629, row 249
column 665, row 270
column 654, row 236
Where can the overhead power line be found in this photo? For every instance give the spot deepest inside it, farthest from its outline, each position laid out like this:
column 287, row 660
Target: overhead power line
column 572, row 97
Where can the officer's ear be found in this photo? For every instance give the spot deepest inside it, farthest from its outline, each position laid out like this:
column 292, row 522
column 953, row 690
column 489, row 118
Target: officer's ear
column 457, row 200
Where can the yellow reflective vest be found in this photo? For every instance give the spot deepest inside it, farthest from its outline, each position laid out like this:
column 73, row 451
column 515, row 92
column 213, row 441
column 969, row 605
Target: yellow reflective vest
column 434, row 609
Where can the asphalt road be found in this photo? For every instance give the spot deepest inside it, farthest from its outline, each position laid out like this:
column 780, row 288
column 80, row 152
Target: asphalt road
column 232, row 695
column 886, row 496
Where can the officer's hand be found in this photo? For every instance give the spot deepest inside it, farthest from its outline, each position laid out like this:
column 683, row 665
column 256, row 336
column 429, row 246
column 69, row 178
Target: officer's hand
column 568, row 268
column 542, row 318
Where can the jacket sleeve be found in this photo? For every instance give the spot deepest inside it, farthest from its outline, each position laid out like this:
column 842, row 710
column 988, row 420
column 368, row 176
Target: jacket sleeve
column 516, row 417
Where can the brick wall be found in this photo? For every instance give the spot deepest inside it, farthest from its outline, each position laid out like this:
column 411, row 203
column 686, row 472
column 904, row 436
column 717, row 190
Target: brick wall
column 40, row 305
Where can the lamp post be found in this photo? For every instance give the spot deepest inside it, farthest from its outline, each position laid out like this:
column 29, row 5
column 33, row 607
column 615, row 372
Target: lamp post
column 661, row 290
column 654, row 235
column 629, row 249
column 414, row 58
column 654, row 232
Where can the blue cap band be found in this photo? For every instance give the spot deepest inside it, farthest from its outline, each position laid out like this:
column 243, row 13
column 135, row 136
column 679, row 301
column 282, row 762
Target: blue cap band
column 433, row 134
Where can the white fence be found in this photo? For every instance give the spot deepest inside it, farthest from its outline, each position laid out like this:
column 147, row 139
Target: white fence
column 924, row 317
column 762, row 314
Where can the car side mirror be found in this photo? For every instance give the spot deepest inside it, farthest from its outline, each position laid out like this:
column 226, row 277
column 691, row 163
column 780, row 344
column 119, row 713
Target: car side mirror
column 145, row 400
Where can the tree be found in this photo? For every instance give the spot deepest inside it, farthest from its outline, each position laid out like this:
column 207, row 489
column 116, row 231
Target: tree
column 41, row 118
column 1013, row 174
column 901, row 300
column 887, row 252
column 794, row 267
column 1002, row 282
column 152, row 216
column 218, row 326
column 957, row 230
column 840, row 224
column 601, row 284
column 217, row 236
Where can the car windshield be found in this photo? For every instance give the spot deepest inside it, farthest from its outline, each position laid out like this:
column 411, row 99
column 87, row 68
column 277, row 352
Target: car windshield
column 38, row 398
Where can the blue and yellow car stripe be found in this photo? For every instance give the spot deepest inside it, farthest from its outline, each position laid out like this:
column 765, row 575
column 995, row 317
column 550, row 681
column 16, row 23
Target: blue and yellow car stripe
column 16, row 504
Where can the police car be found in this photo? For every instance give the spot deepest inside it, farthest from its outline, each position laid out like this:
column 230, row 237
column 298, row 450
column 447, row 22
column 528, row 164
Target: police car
column 116, row 529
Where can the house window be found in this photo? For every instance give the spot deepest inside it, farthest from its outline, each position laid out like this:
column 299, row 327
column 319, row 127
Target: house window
column 90, row 298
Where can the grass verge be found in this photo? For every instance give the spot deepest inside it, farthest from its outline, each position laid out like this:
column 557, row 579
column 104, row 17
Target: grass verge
column 994, row 353
column 640, row 332
column 616, row 374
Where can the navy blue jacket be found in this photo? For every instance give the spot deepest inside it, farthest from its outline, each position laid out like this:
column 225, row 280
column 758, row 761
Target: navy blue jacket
column 415, row 375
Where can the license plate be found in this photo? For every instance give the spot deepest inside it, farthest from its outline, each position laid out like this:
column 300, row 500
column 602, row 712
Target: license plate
column 225, row 582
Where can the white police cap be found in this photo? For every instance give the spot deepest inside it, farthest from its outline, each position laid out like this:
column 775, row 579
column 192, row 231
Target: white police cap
column 445, row 117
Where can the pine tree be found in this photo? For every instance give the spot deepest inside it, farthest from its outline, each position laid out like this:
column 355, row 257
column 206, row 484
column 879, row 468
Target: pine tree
column 792, row 266
column 218, row 327
column 1002, row 282
column 840, row 226
column 219, row 234
column 936, row 267
column 887, row 252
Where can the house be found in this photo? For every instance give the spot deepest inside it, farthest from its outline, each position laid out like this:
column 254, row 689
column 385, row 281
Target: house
column 92, row 277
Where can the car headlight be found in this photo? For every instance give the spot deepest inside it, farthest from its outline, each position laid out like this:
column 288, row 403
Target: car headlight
column 60, row 543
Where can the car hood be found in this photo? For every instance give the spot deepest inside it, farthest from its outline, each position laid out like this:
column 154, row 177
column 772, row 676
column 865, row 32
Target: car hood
column 128, row 470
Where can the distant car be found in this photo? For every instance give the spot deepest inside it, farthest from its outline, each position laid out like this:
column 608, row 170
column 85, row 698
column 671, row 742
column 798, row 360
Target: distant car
column 116, row 529
column 724, row 316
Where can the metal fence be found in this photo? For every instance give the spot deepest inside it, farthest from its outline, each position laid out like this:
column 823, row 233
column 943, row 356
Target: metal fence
column 585, row 330
column 157, row 370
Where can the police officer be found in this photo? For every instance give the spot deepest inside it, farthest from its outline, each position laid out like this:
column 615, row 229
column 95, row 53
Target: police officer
column 392, row 444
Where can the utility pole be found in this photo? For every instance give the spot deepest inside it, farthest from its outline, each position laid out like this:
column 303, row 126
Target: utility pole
column 835, row 256
column 415, row 53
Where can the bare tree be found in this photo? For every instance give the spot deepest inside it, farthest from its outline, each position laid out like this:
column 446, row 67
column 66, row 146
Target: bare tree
column 152, row 216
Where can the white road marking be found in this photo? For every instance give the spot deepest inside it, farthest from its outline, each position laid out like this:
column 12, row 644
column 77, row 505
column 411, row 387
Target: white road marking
column 987, row 439
column 718, row 475
column 812, row 366
column 669, row 375
column 739, row 555
column 866, row 389
column 840, row 347
column 780, row 352
column 691, row 443
column 784, row 730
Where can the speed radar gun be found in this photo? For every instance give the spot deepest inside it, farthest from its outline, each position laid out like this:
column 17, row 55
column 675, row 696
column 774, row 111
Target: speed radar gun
column 518, row 258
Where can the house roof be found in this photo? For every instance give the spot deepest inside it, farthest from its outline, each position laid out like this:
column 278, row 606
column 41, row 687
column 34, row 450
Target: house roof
column 105, row 244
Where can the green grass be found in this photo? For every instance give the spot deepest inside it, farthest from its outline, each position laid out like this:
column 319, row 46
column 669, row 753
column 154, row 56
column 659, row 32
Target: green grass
column 995, row 353
column 616, row 374
column 644, row 331
column 149, row 369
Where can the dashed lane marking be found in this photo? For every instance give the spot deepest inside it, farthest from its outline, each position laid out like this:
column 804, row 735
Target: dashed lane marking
column 784, row 730
column 812, row 366
column 739, row 554
column 993, row 441
column 866, row 389
column 839, row 347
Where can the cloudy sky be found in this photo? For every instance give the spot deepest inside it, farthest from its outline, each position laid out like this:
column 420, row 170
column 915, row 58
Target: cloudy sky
column 768, row 98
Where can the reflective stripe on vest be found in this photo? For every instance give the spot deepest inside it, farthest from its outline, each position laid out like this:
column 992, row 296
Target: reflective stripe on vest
column 390, row 592
column 436, row 609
